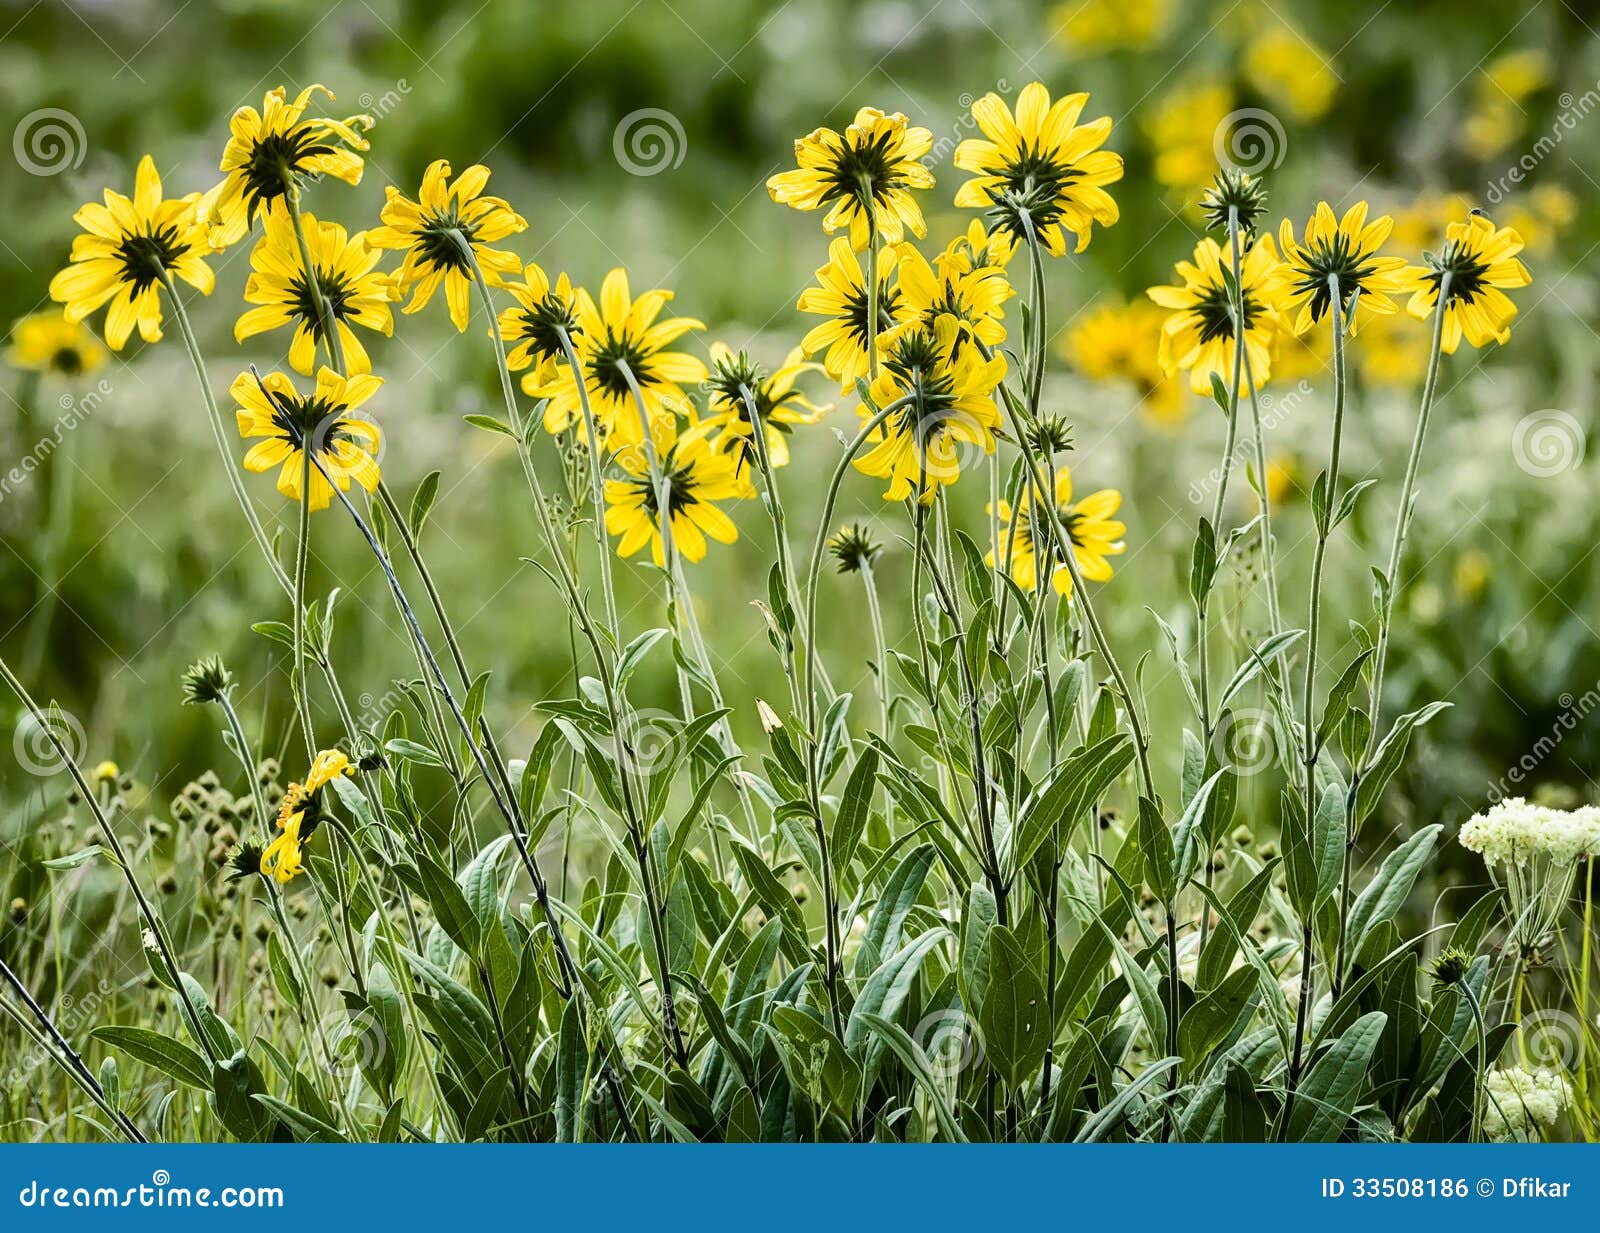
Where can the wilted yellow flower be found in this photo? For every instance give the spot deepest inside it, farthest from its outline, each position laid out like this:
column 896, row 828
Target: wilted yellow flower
column 127, row 250
column 1123, row 343
column 1291, row 72
column 1481, row 259
column 49, row 342
column 1198, row 333
column 354, row 292
column 299, row 815
column 269, row 152
column 1088, row 525
column 1040, row 166
column 866, row 175
column 430, row 232
column 1111, row 25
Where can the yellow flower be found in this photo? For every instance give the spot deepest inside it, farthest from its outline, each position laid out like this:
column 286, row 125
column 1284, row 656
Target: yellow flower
column 840, row 295
column 345, row 443
column 1497, row 116
column 866, row 175
column 979, row 249
column 1394, row 352
column 1198, row 334
column 327, row 766
column 1182, row 126
column 353, row 291
column 1111, row 25
column 1481, row 259
column 696, row 475
column 1122, row 343
column 127, row 251
column 1040, row 166
column 618, row 337
column 107, row 771
column 431, row 230
column 951, row 391
column 779, row 406
column 1345, row 250
column 1421, row 224
column 50, row 342
column 1472, row 572
column 283, row 858
column 1282, row 479
column 1291, row 72
column 974, row 298
column 1542, row 216
column 534, row 325
column 1298, row 357
column 1087, row 525
column 269, row 152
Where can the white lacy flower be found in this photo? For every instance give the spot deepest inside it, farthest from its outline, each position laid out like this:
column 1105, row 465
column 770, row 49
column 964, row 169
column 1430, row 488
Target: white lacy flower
column 1531, row 851
column 1518, row 1103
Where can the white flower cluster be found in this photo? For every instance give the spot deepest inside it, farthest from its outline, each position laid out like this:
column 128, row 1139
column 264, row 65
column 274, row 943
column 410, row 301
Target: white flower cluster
column 1518, row 1103
column 1514, row 831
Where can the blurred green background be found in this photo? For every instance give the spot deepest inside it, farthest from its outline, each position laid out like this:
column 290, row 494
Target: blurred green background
column 149, row 566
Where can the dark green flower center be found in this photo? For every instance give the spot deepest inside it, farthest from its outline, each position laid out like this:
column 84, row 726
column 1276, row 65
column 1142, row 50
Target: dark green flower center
column 1215, row 310
column 543, row 324
column 437, row 241
column 335, row 290
column 918, row 366
column 855, row 313
column 313, row 420
column 614, row 359
column 68, row 361
column 146, row 258
column 1332, row 259
column 1467, row 272
column 276, row 162
column 680, row 483
column 864, row 171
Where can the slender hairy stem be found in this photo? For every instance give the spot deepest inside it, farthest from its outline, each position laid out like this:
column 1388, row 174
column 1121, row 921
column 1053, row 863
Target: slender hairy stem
column 302, row 691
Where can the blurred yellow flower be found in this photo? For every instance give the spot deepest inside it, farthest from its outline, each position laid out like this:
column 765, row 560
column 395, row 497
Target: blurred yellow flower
column 1088, row 525
column 1291, row 72
column 128, row 250
column 354, row 292
column 1199, row 331
column 866, row 175
column 1481, row 259
column 840, row 295
column 346, row 444
column 1420, row 225
column 1472, row 574
column 1393, row 352
column 269, row 152
column 620, row 344
column 1123, row 343
column 1040, row 167
column 48, row 342
column 696, row 477
column 431, row 231
column 1497, row 117
column 1302, row 357
column 1541, row 216
column 1282, row 480
column 1111, row 25
column 1342, row 252
column 1182, row 129
column 950, row 410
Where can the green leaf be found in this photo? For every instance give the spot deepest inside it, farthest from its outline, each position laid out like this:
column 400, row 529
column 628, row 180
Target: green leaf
column 1014, row 1016
column 1210, row 1021
column 79, row 858
column 572, row 1069
column 1387, row 891
column 1341, row 696
column 894, row 904
column 887, row 988
column 916, row 1061
column 422, row 501
column 1076, row 785
column 1203, row 563
column 449, row 904
column 1386, row 760
column 1333, row 1086
column 171, row 1057
column 307, row 1129
column 489, row 424
column 1328, row 840
column 855, row 806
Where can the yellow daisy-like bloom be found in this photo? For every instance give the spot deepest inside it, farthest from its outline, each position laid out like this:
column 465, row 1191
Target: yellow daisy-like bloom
column 426, row 230
column 1300, row 357
column 1182, row 126
column 1043, row 162
column 1282, row 479
column 918, row 448
column 978, row 249
column 974, row 297
column 866, row 175
column 620, row 336
column 1481, row 259
column 299, row 815
column 1199, row 332
column 1087, row 525
column 697, row 476
column 533, row 326
column 1123, row 343
column 128, row 249
column 840, row 295
column 270, row 152
column 345, row 443
column 49, row 342
column 343, row 266
column 1111, row 25
column 1393, row 353
column 1345, row 249
column 779, row 406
